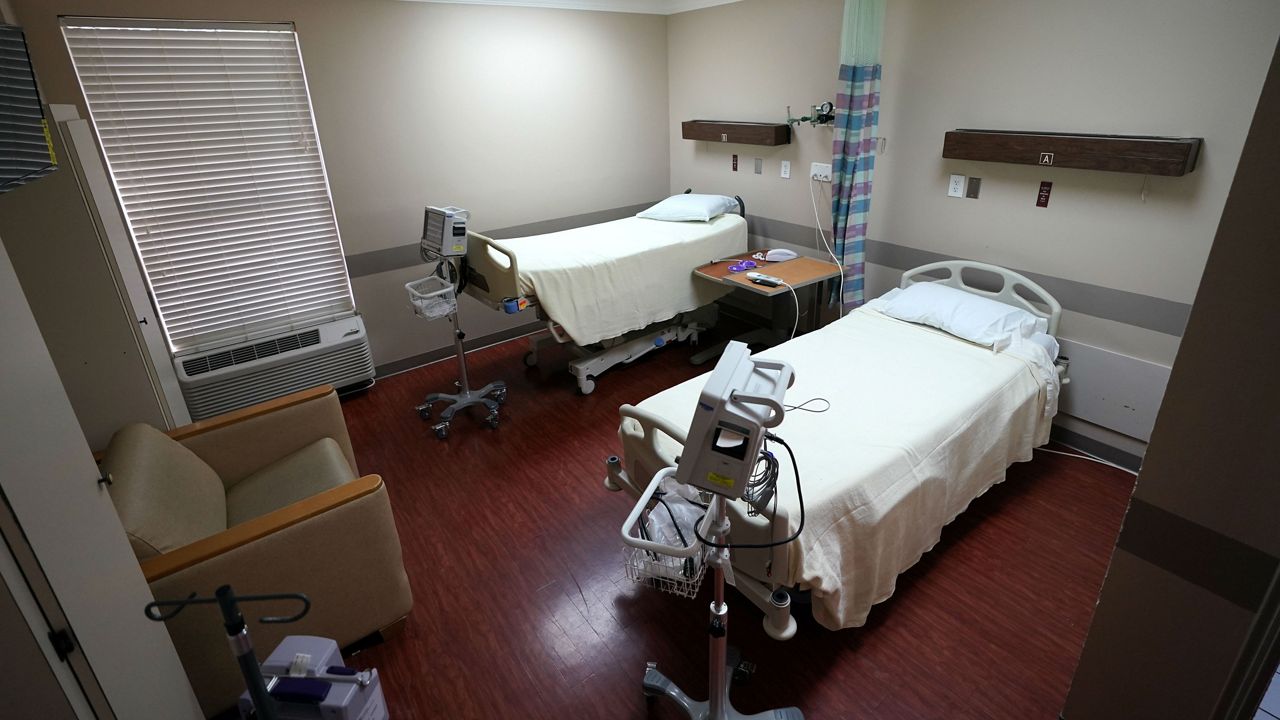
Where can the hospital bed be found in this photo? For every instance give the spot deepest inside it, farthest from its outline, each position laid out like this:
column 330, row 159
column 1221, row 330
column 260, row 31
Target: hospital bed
column 611, row 292
column 919, row 424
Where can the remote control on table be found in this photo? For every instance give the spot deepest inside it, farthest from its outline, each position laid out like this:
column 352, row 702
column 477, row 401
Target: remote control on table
column 762, row 279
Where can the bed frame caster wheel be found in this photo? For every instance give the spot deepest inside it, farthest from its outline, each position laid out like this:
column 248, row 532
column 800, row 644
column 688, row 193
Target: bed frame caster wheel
column 442, row 430
column 424, row 411
column 531, row 359
column 587, row 385
column 492, row 420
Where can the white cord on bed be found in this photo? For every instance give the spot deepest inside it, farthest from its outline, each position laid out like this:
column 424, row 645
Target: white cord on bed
column 1085, row 456
column 818, row 221
column 796, row 325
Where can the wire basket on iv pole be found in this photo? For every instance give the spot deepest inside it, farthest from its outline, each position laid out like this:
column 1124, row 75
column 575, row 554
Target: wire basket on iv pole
column 432, row 297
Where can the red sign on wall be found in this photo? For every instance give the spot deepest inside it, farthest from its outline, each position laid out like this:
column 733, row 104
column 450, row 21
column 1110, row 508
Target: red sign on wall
column 1042, row 199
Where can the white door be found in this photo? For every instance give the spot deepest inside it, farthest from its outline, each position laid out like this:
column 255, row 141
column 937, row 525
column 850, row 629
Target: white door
column 49, row 478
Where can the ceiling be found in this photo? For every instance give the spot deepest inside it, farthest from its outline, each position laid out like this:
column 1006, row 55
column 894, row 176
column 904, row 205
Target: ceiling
column 653, row 7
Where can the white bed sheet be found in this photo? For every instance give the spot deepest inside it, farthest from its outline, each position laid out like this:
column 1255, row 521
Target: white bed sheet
column 920, row 424
column 604, row 280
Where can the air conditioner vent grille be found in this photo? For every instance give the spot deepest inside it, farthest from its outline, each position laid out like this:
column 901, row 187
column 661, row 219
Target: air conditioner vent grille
column 248, row 353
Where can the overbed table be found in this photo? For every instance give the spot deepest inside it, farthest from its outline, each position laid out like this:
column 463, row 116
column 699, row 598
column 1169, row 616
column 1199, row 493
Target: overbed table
column 798, row 273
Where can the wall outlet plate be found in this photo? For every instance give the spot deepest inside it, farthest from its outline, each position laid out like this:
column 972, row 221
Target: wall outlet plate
column 786, row 168
column 759, row 165
column 956, row 187
column 974, row 187
column 820, row 171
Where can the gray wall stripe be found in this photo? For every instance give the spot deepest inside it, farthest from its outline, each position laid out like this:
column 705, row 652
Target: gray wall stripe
column 1222, row 565
column 1084, row 443
column 566, row 223
column 1143, row 311
column 402, row 256
column 409, row 363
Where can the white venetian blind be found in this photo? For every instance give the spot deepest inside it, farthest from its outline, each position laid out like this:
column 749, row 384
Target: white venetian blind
column 210, row 140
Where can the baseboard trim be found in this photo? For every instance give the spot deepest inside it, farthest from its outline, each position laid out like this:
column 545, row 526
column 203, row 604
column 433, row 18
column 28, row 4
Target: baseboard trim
column 396, row 367
column 1073, row 439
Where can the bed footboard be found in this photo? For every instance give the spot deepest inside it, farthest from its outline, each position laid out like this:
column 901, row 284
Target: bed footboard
column 493, row 275
column 643, row 454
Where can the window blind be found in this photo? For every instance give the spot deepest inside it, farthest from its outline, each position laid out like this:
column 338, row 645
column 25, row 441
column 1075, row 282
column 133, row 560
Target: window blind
column 210, row 141
column 25, row 153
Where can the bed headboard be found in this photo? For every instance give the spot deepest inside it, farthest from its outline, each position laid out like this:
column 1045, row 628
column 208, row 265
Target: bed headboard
column 742, row 205
column 1006, row 293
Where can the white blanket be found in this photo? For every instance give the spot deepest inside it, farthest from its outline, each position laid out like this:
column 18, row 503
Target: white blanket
column 920, row 424
column 604, row 280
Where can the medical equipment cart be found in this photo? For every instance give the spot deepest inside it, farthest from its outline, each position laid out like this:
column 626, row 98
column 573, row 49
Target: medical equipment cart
column 742, row 398
column 434, row 297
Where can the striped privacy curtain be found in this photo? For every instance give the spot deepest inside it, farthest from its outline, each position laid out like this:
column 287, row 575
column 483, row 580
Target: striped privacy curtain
column 854, row 149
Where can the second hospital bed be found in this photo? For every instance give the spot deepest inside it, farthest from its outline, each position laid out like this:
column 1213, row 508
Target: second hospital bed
column 920, row 423
column 611, row 291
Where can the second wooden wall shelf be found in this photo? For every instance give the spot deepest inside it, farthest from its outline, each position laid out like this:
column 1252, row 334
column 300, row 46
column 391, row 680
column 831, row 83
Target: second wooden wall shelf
column 1143, row 154
column 727, row 131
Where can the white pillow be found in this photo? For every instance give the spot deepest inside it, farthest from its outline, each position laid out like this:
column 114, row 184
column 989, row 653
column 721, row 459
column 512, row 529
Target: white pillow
column 977, row 319
column 679, row 208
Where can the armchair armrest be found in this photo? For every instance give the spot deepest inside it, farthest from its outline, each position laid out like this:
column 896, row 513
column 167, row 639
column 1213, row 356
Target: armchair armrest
column 240, row 442
column 165, row 564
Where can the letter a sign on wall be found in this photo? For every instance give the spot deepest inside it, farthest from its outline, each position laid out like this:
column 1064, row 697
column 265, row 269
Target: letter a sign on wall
column 1046, row 158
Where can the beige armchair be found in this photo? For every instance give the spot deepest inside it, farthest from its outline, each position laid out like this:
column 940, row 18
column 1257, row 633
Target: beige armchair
column 266, row 499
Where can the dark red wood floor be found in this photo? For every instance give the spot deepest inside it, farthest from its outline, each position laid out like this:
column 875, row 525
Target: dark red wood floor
column 521, row 609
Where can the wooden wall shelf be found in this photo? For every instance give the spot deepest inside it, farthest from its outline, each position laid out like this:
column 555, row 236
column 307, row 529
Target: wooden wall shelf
column 727, row 131
column 1143, row 154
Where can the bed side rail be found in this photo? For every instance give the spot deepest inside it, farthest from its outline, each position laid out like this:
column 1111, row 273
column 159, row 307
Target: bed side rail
column 493, row 273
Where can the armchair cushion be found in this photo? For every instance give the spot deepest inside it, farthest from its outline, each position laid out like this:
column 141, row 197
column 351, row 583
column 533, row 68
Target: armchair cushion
column 166, row 496
column 315, row 468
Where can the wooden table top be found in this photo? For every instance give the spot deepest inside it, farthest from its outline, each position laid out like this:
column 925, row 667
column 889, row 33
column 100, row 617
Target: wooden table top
column 798, row 273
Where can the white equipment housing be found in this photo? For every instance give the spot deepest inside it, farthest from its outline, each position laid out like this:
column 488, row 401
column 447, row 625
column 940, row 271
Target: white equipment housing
column 742, row 397
column 217, row 381
column 444, row 232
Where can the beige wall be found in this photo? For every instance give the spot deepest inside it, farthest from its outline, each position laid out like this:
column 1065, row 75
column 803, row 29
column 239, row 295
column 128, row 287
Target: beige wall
column 517, row 114
column 749, row 61
column 1169, row 67
column 1153, row 67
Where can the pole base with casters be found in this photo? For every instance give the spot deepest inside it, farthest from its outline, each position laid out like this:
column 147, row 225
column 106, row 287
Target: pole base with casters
column 489, row 397
column 722, row 660
column 658, row 685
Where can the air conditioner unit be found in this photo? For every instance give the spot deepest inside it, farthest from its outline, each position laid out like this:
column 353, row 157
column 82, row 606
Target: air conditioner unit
column 336, row 353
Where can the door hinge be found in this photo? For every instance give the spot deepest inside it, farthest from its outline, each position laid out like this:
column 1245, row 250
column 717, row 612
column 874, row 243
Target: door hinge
column 62, row 643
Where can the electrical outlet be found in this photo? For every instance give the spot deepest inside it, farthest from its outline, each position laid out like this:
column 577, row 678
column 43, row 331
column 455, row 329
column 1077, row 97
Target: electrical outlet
column 786, row 169
column 956, row 187
column 759, row 165
column 735, row 163
column 820, row 171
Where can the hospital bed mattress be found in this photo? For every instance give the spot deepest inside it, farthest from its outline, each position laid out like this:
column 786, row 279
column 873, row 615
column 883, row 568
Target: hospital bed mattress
column 600, row 281
column 920, row 423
